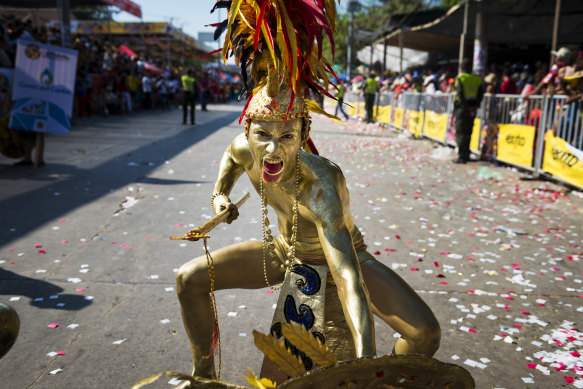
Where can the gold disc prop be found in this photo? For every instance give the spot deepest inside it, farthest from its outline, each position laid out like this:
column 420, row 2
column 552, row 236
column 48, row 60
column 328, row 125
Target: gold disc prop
column 9, row 327
column 389, row 371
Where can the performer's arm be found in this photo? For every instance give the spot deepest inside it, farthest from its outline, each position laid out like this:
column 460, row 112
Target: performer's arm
column 343, row 262
column 230, row 169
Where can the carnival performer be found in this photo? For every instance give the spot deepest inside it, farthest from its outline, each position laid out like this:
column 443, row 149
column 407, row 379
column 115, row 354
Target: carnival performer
column 329, row 282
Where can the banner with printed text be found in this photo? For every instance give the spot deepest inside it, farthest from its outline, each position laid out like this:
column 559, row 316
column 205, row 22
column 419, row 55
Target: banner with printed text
column 475, row 139
column 415, row 123
column 43, row 89
column 563, row 160
column 515, row 144
column 435, row 125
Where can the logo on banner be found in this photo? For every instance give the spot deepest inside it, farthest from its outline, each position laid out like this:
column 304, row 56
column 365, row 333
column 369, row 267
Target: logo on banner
column 32, row 51
column 46, row 77
column 564, row 156
column 515, row 140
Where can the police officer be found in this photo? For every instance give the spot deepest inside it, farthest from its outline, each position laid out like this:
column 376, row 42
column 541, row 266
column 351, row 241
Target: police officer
column 468, row 96
column 189, row 90
column 371, row 86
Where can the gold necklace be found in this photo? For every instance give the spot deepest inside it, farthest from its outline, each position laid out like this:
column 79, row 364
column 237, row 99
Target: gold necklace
column 268, row 245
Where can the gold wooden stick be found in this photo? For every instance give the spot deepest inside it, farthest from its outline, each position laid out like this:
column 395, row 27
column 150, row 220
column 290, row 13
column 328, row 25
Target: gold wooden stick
column 201, row 232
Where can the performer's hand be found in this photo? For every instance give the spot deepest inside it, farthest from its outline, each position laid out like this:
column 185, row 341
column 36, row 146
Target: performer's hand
column 222, row 202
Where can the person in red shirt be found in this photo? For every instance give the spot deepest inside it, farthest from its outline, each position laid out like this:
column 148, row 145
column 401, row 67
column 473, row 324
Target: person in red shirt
column 508, row 86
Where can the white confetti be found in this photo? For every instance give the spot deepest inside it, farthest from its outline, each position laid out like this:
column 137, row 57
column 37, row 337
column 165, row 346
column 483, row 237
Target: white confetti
column 119, row 341
column 56, row 371
column 164, row 321
column 232, row 314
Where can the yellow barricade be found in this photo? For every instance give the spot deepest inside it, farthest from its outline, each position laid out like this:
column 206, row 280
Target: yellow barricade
column 435, row 125
column 415, row 123
column 475, row 139
column 384, row 114
column 351, row 109
column 515, row 144
column 361, row 110
column 563, row 160
column 398, row 118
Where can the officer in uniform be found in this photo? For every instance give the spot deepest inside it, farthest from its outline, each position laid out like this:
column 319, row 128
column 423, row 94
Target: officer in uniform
column 468, row 96
column 371, row 87
column 189, row 90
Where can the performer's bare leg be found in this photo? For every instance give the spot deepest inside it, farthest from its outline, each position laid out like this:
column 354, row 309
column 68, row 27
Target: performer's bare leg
column 237, row 266
column 400, row 307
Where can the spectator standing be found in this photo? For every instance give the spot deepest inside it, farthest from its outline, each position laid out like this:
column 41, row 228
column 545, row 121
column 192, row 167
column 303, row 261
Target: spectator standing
column 189, row 89
column 147, row 90
column 468, row 96
column 204, row 91
column 163, row 90
column 133, row 84
column 550, row 84
column 340, row 100
column 508, row 86
column 371, row 86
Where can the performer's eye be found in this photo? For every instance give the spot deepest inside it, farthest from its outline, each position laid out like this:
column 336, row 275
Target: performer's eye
column 287, row 136
column 261, row 133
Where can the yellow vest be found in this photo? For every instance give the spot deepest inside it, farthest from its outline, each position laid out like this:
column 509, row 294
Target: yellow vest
column 470, row 84
column 371, row 85
column 188, row 83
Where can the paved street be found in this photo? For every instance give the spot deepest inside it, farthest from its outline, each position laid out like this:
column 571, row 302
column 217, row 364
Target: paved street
column 86, row 261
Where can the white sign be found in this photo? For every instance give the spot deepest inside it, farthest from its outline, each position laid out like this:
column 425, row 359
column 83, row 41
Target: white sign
column 43, row 88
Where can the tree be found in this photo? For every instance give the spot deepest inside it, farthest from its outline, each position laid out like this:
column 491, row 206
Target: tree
column 99, row 12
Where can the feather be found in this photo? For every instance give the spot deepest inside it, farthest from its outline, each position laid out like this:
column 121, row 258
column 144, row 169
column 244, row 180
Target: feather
column 211, row 53
column 310, row 147
column 245, row 108
column 233, row 13
column 278, row 353
column 221, row 4
column 305, row 341
column 315, row 108
column 220, row 29
column 263, row 383
column 259, row 24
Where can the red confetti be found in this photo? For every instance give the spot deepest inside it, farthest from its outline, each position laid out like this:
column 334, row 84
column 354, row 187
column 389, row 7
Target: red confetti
column 53, row 325
column 443, row 283
column 444, row 253
column 377, row 253
column 42, row 252
column 531, row 365
column 414, row 269
column 435, row 263
column 569, row 380
column 473, row 331
column 397, row 237
column 60, row 353
column 525, row 312
column 390, row 250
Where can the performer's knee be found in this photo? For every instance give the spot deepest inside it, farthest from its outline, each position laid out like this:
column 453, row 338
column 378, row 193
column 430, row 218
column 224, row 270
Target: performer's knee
column 192, row 277
column 429, row 337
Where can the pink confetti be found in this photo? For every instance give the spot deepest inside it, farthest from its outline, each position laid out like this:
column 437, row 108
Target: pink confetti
column 60, row 353
column 38, row 245
column 62, row 220
column 444, row 253
column 42, row 251
column 64, row 241
column 473, row 331
column 149, row 237
column 13, row 263
column 53, row 325
column 414, row 269
column 377, row 253
column 179, row 224
column 518, row 326
column 443, row 283
column 269, row 291
column 531, row 365
column 80, row 290
column 390, row 250
column 569, row 380
column 11, row 249
column 525, row 312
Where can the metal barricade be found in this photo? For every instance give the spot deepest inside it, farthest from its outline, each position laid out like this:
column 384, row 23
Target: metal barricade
column 437, row 115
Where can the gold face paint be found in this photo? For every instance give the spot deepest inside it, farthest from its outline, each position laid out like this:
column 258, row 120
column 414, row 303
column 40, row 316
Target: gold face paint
column 274, row 146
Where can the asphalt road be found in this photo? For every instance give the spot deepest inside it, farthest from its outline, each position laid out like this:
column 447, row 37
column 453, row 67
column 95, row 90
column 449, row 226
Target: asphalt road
column 86, row 261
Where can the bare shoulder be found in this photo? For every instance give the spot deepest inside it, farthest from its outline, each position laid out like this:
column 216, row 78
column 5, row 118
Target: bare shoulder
column 328, row 187
column 239, row 149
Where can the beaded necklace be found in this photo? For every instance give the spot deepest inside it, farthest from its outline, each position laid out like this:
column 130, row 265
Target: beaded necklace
column 268, row 245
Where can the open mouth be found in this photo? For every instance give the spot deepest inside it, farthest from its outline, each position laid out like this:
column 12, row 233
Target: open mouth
column 272, row 169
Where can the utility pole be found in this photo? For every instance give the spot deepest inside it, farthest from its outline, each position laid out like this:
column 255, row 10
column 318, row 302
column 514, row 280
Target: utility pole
column 555, row 29
column 463, row 35
column 353, row 6
column 65, row 20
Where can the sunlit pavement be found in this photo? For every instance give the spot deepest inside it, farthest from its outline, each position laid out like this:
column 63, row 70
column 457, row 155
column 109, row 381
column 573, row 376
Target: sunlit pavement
column 87, row 263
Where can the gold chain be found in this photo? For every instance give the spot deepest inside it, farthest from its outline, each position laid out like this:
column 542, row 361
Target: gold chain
column 211, row 267
column 268, row 245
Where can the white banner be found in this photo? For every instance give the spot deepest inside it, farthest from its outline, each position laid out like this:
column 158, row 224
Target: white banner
column 43, row 89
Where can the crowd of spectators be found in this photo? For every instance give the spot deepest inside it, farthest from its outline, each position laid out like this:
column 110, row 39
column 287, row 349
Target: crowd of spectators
column 501, row 78
column 109, row 81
